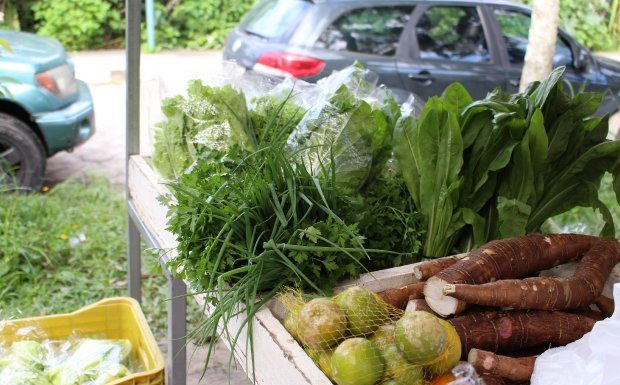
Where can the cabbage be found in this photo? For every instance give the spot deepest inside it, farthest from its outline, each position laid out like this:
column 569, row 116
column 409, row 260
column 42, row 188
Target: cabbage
column 92, row 360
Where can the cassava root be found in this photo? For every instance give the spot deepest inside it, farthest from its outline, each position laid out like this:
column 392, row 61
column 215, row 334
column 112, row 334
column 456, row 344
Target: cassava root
column 492, row 380
column 399, row 297
column 513, row 330
column 605, row 305
column 509, row 368
column 545, row 293
column 504, row 259
column 424, row 270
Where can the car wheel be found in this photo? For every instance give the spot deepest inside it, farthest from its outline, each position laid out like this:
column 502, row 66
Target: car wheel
column 22, row 155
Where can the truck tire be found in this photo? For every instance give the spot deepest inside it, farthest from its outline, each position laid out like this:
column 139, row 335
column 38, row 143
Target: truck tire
column 22, row 155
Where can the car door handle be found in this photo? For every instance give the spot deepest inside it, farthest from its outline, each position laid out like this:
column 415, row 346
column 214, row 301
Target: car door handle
column 422, row 76
column 514, row 82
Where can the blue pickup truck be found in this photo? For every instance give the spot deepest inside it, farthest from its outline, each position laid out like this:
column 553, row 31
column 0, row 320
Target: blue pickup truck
column 44, row 109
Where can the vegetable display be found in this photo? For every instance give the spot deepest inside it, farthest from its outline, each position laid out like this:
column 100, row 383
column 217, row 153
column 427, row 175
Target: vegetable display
column 79, row 362
column 305, row 186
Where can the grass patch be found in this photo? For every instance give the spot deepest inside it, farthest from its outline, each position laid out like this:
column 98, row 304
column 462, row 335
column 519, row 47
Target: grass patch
column 67, row 249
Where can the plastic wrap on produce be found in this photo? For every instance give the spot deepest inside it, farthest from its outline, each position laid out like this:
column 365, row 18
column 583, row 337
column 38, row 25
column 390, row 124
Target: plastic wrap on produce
column 591, row 360
column 210, row 119
column 343, row 124
column 348, row 131
column 32, row 358
column 360, row 81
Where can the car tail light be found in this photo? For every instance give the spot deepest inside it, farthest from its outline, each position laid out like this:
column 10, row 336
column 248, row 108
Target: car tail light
column 292, row 63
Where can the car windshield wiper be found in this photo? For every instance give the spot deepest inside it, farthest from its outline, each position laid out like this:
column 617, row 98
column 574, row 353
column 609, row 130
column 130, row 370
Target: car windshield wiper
column 250, row 32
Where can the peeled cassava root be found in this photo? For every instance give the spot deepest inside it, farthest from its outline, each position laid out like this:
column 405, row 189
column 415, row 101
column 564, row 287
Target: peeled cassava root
column 513, row 369
column 504, row 259
column 546, row 293
column 513, row 330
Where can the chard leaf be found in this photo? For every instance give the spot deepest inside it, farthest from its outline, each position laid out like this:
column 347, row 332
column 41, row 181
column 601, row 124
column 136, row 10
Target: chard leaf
column 571, row 187
column 521, row 183
column 547, row 86
column 473, row 125
column 559, row 137
column 405, row 135
column 586, row 104
column 513, row 217
column 456, row 98
column 477, row 223
column 439, row 154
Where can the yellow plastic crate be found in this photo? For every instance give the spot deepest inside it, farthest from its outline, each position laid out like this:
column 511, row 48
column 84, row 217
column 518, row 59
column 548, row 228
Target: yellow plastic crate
column 112, row 318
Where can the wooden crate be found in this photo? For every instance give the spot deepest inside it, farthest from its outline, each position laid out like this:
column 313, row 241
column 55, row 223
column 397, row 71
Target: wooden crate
column 279, row 359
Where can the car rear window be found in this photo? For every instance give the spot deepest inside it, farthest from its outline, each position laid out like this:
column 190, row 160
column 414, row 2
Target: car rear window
column 272, row 19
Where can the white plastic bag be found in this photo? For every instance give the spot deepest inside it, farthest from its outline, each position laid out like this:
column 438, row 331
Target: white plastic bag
column 592, row 360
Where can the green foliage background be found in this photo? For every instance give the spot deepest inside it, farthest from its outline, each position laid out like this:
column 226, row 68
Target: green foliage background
column 589, row 21
column 95, row 24
column 196, row 24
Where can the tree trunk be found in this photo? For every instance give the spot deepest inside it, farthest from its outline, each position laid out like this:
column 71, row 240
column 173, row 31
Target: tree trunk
column 542, row 38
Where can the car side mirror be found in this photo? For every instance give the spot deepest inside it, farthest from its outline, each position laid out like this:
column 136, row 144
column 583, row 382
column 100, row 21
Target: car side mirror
column 581, row 60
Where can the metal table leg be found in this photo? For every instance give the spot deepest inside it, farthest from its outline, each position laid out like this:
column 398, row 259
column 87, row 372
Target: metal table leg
column 176, row 368
column 177, row 330
column 134, row 268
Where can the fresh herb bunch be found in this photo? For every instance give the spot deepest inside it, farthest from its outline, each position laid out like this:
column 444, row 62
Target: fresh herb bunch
column 386, row 216
column 284, row 112
column 249, row 226
column 501, row 166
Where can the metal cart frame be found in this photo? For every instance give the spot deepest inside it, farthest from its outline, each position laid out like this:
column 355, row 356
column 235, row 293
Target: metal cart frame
column 136, row 229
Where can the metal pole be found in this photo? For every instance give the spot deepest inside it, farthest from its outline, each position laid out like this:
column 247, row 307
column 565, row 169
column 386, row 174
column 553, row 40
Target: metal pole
column 150, row 24
column 132, row 134
column 177, row 331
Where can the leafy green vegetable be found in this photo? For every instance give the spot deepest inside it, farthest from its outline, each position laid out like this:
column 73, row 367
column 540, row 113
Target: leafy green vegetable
column 208, row 121
column 91, row 361
column 350, row 132
column 432, row 151
column 525, row 158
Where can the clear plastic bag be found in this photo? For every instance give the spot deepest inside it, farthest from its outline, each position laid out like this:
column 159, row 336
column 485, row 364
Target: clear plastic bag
column 591, row 360
column 34, row 359
column 349, row 129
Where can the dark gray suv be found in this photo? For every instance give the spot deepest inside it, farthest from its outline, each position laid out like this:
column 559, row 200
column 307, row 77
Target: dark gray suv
column 414, row 45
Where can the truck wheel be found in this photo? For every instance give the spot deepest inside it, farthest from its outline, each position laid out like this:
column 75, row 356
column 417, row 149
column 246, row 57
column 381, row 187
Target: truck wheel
column 22, row 155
